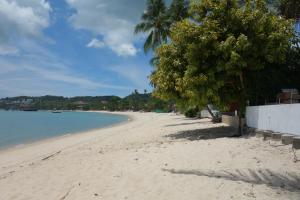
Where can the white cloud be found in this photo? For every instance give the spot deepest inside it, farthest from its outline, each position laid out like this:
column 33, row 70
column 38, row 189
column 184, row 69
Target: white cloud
column 31, row 80
column 134, row 74
column 66, row 77
column 95, row 43
column 21, row 19
column 8, row 50
column 125, row 50
column 114, row 20
column 28, row 68
column 40, row 72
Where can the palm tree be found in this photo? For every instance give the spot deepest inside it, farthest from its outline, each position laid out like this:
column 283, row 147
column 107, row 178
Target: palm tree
column 178, row 10
column 155, row 22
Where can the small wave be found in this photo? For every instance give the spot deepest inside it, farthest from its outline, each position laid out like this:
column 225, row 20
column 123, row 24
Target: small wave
column 19, row 145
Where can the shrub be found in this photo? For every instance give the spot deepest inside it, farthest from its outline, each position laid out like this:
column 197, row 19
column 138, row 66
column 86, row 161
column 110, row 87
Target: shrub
column 191, row 112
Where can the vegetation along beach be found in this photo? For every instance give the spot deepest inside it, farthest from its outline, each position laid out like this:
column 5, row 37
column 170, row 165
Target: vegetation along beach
column 150, row 99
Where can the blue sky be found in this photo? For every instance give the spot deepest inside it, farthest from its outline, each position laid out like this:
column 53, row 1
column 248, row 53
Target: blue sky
column 71, row 48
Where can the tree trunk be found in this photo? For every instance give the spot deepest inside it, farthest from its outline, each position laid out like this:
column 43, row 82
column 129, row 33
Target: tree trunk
column 242, row 105
column 240, row 130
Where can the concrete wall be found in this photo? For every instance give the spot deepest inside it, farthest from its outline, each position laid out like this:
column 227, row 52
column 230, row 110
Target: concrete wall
column 283, row 118
column 232, row 120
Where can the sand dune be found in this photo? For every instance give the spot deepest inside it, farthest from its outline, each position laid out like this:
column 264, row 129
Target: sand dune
column 154, row 156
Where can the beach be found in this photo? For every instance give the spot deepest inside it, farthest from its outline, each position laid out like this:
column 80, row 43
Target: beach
column 152, row 156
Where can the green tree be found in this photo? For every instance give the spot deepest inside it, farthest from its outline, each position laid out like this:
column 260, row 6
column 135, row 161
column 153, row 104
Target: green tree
column 155, row 22
column 213, row 54
column 178, row 10
column 289, row 8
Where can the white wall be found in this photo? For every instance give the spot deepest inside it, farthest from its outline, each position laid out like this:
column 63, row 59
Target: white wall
column 205, row 113
column 284, row 118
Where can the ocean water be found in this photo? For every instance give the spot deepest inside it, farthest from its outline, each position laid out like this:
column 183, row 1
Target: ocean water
column 19, row 127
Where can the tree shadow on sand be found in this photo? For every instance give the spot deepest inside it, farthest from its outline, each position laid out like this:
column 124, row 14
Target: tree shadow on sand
column 205, row 134
column 181, row 124
column 288, row 181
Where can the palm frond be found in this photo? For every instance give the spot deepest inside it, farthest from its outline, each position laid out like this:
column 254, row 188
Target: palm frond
column 140, row 27
column 155, row 22
column 148, row 43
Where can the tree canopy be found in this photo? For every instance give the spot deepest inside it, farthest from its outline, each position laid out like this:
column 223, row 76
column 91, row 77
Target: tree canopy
column 213, row 56
column 289, row 8
column 134, row 101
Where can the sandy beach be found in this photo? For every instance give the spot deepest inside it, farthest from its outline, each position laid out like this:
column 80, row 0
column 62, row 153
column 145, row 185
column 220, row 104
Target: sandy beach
column 153, row 156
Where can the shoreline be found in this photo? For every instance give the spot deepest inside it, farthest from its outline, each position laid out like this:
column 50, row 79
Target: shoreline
column 54, row 138
column 154, row 156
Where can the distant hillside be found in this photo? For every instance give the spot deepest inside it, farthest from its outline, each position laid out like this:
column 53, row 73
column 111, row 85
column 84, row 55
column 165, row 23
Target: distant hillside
column 134, row 101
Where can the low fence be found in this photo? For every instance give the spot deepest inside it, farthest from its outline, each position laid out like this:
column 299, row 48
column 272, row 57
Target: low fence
column 232, row 121
column 283, row 118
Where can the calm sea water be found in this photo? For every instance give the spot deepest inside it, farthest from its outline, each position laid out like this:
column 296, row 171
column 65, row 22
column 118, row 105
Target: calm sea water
column 19, row 127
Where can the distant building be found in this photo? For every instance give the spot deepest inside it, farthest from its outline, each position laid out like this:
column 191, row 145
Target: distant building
column 104, row 102
column 23, row 101
column 288, row 96
column 26, row 101
column 80, row 105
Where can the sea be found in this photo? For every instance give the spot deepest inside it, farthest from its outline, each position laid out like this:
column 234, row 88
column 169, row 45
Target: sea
column 21, row 127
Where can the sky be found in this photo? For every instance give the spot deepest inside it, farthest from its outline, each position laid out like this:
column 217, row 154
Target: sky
column 71, row 48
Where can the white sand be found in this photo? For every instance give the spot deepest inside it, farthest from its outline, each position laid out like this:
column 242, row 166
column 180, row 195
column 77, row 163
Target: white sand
column 137, row 161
